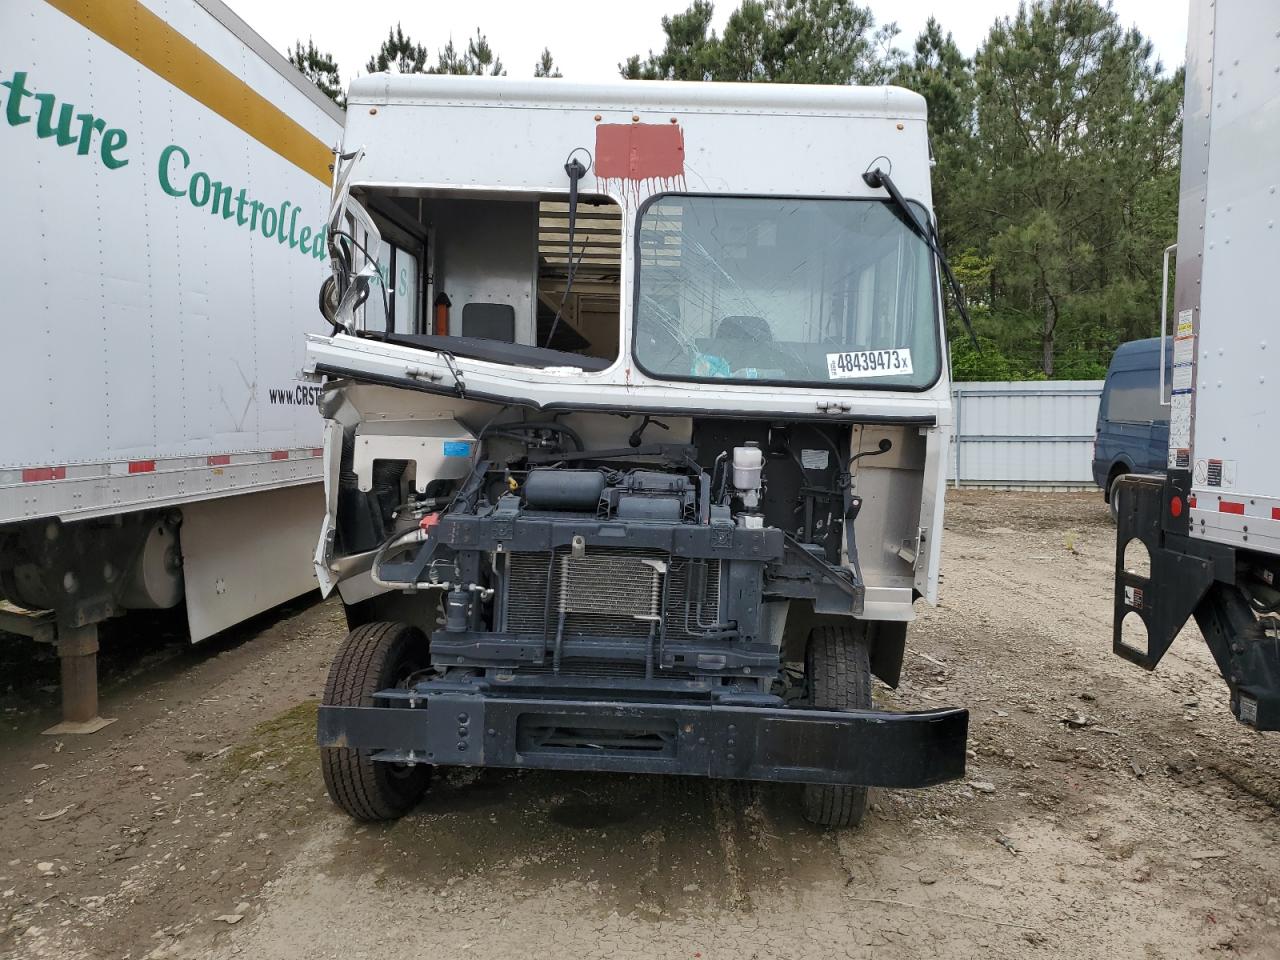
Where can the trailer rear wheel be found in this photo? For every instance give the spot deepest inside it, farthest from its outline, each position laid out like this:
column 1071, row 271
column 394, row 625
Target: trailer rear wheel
column 373, row 657
column 838, row 670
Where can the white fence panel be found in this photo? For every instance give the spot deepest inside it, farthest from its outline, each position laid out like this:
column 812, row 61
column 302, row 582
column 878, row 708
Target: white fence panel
column 1025, row 434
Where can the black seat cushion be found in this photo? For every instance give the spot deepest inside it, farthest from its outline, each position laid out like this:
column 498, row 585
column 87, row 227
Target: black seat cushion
column 489, row 321
column 495, row 351
column 744, row 328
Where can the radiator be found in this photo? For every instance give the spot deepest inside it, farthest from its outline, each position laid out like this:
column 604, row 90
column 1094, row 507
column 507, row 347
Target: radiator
column 609, row 592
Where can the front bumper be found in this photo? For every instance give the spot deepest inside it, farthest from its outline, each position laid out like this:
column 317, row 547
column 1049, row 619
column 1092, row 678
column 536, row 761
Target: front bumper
column 461, row 726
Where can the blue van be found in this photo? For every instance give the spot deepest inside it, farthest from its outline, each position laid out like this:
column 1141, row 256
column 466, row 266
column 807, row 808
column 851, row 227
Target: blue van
column 1133, row 426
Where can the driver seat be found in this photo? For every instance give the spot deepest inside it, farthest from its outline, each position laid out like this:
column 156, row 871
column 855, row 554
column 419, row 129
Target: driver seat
column 743, row 328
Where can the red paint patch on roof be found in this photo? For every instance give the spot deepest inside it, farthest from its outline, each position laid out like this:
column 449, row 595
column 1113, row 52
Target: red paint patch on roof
column 639, row 151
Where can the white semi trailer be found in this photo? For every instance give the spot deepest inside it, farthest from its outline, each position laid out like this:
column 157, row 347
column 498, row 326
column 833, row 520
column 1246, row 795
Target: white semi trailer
column 166, row 184
column 1211, row 526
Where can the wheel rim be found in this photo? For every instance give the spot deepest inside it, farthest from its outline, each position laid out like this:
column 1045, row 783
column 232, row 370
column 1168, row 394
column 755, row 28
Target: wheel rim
column 405, row 673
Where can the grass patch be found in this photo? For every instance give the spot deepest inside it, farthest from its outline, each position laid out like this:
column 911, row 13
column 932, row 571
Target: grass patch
column 286, row 742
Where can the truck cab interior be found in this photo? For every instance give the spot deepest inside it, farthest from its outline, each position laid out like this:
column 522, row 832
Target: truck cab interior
column 498, row 278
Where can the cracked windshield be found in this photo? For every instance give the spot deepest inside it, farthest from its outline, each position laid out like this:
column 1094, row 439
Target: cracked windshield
column 800, row 291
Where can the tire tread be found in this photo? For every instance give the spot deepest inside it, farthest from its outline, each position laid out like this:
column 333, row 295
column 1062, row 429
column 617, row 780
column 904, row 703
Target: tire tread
column 843, row 682
column 355, row 782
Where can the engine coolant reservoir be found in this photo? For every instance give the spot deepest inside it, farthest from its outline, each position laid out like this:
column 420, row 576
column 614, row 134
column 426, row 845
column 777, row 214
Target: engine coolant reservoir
column 748, row 462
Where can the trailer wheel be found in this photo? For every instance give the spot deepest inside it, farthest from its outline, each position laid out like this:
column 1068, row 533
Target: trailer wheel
column 373, row 657
column 838, row 668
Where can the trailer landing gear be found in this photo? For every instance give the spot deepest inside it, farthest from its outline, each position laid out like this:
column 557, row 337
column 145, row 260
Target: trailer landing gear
column 78, row 656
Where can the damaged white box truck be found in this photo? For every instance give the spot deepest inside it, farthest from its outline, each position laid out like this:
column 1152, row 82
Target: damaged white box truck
column 641, row 467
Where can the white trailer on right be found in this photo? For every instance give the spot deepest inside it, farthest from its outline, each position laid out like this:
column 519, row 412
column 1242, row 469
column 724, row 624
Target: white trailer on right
column 1211, row 526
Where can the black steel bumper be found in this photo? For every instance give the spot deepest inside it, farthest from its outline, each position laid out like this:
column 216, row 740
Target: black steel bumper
column 709, row 739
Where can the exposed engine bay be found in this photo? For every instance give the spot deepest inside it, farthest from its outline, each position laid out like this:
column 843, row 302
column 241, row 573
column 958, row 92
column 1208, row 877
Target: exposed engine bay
column 676, row 554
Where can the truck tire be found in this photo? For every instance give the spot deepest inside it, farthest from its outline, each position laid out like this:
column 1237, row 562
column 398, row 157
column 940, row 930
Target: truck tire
column 373, row 657
column 838, row 669
column 1113, row 495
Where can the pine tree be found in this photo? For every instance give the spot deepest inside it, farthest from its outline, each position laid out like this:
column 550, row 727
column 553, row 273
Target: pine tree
column 398, row 54
column 943, row 75
column 826, row 41
column 1073, row 118
column 546, row 65
column 477, row 60
column 320, row 69
column 691, row 52
column 775, row 41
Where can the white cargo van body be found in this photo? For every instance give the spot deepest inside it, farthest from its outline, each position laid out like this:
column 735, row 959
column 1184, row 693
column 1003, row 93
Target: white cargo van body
column 440, row 136
column 1211, row 526
column 166, row 184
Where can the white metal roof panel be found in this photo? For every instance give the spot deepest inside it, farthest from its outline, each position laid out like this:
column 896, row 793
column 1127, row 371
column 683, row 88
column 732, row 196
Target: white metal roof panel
column 682, row 96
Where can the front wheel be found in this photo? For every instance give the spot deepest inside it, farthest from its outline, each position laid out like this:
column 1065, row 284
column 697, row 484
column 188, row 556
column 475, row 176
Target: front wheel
column 837, row 667
column 376, row 656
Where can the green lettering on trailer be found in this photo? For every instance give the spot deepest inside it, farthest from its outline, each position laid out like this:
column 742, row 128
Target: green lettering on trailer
column 165, row 156
column 173, row 171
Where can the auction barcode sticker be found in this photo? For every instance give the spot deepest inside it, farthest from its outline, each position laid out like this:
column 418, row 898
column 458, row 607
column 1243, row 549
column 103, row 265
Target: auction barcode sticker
column 868, row 363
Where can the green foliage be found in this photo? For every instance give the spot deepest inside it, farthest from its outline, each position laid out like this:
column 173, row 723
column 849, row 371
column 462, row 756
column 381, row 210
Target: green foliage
column 940, row 73
column 477, row 60
column 1073, row 187
column 987, row 364
column 399, row 54
column 320, row 68
column 773, row 41
column 692, row 51
column 546, row 65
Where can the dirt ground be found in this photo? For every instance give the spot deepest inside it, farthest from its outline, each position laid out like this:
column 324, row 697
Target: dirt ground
column 1106, row 812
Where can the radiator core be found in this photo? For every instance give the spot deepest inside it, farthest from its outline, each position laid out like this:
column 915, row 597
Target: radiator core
column 609, row 592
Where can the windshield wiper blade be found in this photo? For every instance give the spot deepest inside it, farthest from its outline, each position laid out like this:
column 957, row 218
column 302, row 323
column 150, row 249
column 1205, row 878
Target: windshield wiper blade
column 574, row 169
column 876, row 178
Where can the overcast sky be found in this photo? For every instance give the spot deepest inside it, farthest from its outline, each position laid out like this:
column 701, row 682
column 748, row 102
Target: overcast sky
column 588, row 40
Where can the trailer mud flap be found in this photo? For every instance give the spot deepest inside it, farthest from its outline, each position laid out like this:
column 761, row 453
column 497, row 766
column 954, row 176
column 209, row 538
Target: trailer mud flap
column 1190, row 576
column 1177, row 580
